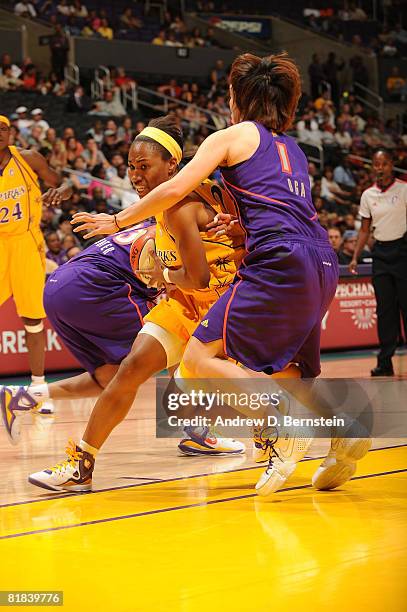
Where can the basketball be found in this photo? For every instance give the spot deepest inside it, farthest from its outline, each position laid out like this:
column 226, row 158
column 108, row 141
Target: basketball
column 141, row 253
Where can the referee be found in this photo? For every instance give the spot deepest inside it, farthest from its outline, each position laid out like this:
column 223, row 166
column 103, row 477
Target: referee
column 384, row 207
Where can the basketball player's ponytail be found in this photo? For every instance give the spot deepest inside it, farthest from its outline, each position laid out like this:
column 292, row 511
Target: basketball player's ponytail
column 266, row 89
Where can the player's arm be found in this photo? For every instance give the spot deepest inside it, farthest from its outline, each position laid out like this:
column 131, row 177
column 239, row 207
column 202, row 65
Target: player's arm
column 57, row 192
column 212, row 153
column 363, row 237
column 194, row 273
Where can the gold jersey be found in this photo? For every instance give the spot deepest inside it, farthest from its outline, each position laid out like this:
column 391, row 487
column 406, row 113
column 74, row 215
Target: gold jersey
column 223, row 253
column 20, row 197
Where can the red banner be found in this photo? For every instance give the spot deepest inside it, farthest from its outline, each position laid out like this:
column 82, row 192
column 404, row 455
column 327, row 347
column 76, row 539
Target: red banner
column 349, row 323
column 13, row 351
column 351, row 319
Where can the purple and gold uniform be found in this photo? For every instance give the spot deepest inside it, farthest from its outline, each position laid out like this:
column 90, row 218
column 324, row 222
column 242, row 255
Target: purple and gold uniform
column 22, row 248
column 184, row 309
column 272, row 314
column 95, row 302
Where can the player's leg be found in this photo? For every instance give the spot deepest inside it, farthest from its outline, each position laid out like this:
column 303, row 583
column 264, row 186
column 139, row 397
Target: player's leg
column 76, row 387
column 27, row 273
column 147, row 357
column 35, row 342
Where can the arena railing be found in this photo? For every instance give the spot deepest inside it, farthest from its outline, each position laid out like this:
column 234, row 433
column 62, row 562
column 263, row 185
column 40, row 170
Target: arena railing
column 364, row 92
column 166, row 103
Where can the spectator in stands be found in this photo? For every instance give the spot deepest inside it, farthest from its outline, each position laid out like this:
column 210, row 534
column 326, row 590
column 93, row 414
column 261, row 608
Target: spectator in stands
column 125, row 131
column 111, row 105
column 97, row 131
column 110, row 144
column 34, row 139
column 337, row 198
column 342, row 138
column 399, row 34
column 78, row 101
column 360, row 73
column 105, row 30
column 58, row 159
column 396, row 85
column 55, row 251
column 128, row 21
column 331, row 69
column 347, row 250
column 97, row 189
column 160, row 39
column 171, row 89
column 356, row 13
column 122, row 188
column 6, row 62
column 30, row 77
column 38, row 120
column 122, row 80
column 335, row 238
column 178, row 26
column 91, row 29
column 316, row 75
column 79, row 10
column 92, row 154
column 73, row 149
column 50, row 138
column 8, row 82
column 23, row 123
column 324, row 100
column 63, row 8
column 25, row 9
column 83, row 180
column 219, row 76
column 172, row 40
column 343, row 174
column 59, row 47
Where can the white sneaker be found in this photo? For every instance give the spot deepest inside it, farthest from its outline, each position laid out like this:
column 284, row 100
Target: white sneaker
column 13, row 402
column 283, row 452
column 340, row 464
column 202, row 441
column 72, row 474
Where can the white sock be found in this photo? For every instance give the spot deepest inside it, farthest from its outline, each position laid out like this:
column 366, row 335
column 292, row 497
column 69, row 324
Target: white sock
column 40, row 392
column 37, row 380
column 88, row 448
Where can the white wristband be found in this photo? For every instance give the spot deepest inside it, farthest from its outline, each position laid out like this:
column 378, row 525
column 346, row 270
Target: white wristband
column 166, row 275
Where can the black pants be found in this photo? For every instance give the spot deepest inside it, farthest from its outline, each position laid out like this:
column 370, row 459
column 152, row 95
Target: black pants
column 390, row 286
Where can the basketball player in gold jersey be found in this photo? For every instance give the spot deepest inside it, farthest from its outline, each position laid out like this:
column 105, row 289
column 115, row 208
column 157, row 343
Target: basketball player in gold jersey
column 22, row 250
column 201, row 266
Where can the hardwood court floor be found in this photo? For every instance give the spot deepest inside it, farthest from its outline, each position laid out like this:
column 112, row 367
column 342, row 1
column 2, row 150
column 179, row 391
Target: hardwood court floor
column 168, row 533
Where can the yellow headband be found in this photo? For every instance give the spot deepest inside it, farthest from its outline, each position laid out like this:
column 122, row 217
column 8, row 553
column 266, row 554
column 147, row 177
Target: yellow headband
column 165, row 140
column 4, row 119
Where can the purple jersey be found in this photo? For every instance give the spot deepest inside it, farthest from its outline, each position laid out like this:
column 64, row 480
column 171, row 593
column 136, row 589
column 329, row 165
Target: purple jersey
column 112, row 255
column 96, row 304
column 272, row 191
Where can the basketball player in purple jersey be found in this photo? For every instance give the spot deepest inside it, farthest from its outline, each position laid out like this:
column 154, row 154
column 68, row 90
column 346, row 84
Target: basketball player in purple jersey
column 96, row 305
column 289, row 276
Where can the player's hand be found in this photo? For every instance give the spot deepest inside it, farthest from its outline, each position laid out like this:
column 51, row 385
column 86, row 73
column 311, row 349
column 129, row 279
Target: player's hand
column 52, row 197
column 353, row 267
column 95, row 225
column 156, row 276
column 222, row 224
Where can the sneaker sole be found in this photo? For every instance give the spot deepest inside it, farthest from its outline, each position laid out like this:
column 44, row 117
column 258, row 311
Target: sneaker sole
column 186, row 450
column 74, row 488
column 336, row 475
